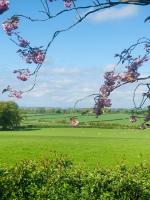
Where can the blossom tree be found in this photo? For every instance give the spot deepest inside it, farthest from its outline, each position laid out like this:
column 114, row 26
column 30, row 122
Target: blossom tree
column 131, row 63
column 128, row 60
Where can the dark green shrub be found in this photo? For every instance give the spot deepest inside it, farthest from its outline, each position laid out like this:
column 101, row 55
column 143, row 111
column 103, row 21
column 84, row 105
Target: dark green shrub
column 10, row 115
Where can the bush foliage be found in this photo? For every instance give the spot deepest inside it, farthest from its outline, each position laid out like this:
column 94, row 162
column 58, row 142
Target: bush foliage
column 59, row 179
column 10, row 115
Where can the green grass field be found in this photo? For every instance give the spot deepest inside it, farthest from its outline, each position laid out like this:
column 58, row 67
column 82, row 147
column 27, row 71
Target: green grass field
column 113, row 118
column 56, row 120
column 87, row 147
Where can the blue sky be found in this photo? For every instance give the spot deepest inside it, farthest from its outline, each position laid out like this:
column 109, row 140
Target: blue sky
column 77, row 59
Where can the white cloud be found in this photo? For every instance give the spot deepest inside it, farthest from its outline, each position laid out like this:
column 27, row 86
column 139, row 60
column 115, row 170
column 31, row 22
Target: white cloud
column 64, row 71
column 50, row 88
column 109, row 67
column 63, row 91
column 115, row 13
column 40, row 91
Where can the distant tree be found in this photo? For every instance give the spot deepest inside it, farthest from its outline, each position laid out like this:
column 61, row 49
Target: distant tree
column 58, row 111
column 41, row 110
column 10, row 115
column 85, row 111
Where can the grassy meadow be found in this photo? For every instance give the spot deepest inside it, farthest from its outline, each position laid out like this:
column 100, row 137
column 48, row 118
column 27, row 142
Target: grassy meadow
column 87, row 147
column 108, row 120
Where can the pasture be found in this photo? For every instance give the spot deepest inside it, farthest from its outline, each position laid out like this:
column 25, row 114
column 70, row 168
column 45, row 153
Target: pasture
column 87, row 147
column 108, row 120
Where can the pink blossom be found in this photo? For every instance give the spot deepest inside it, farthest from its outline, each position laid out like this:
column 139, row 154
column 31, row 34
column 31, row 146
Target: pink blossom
column 15, row 93
column 133, row 119
column 38, row 57
column 4, row 5
column 143, row 126
column 23, row 43
column 10, row 24
column 68, row 3
column 22, row 74
column 22, row 77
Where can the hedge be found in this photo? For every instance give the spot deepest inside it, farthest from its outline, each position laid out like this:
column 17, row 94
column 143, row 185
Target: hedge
column 59, row 179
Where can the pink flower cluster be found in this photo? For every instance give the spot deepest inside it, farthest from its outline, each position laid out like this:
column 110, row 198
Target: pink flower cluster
column 10, row 24
column 110, row 80
column 23, row 43
column 4, row 5
column 132, row 73
column 129, row 76
column 37, row 57
column 143, row 126
column 22, row 74
column 32, row 55
column 113, row 80
column 12, row 92
column 16, row 94
column 133, row 118
column 100, row 103
column 68, row 3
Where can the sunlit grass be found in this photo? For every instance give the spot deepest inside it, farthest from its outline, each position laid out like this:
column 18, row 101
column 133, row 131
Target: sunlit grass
column 88, row 147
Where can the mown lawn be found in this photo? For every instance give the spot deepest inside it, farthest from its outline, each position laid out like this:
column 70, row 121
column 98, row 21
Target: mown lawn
column 87, row 147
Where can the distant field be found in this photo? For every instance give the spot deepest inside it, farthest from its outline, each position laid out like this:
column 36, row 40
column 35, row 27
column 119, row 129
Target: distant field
column 88, row 147
column 118, row 119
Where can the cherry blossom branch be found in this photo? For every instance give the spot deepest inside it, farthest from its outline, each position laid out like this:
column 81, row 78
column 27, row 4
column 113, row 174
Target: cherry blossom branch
column 37, row 55
column 53, row 38
column 94, row 4
column 145, row 95
column 81, row 99
column 114, row 80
